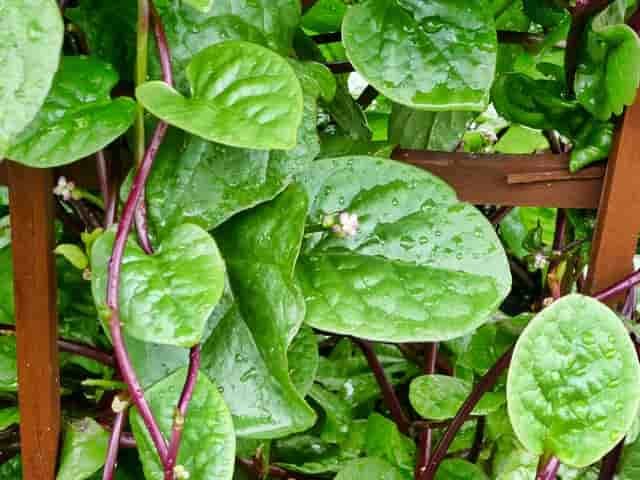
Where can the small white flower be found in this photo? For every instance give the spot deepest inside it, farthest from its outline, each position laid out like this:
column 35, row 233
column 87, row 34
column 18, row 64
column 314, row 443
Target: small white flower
column 119, row 404
column 64, row 188
column 181, row 473
column 540, row 260
column 348, row 226
column 86, row 274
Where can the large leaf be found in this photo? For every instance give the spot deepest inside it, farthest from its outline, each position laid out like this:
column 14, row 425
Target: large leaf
column 243, row 95
column 84, row 450
column 206, row 183
column 371, row 468
column 422, row 267
column 247, row 352
column 418, row 129
column 78, row 117
column 437, row 55
column 208, row 442
column 30, row 41
column 608, row 72
column 573, row 388
column 166, row 297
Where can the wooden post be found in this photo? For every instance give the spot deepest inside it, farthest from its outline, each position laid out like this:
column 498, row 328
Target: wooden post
column 32, row 233
column 616, row 234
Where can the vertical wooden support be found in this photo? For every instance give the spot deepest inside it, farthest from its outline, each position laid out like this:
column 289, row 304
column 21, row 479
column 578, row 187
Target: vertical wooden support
column 32, row 233
column 616, row 234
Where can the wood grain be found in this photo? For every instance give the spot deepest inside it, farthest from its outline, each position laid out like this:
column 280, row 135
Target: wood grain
column 32, row 213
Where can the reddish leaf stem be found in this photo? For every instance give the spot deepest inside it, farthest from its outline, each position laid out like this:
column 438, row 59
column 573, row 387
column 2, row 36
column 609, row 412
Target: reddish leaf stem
column 610, row 462
column 499, row 215
column 254, row 466
column 482, row 387
column 114, row 446
column 388, row 393
column 549, row 470
column 622, row 286
column 108, row 197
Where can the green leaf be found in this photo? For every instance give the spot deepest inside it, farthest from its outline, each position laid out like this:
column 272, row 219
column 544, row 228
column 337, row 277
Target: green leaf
column 208, row 442
column 243, row 95
column 206, row 183
column 7, row 310
column 522, row 140
column 422, row 266
column 545, row 12
column 337, row 415
column 629, row 467
column 30, row 42
column 78, row 117
column 592, row 144
column 201, row 5
column 12, row 469
column 84, row 450
column 573, row 387
column 8, row 364
column 439, row 397
column 438, row 55
column 74, row 254
column 247, row 352
column 325, row 16
column 9, row 416
column 458, row 469
column 384, row 440
column 371, row 468
column 608, row 71
column 418, row 129
column 166, row 297
column 303, row 359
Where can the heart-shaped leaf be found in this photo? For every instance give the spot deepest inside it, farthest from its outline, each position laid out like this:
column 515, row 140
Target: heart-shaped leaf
column 208, row 442
column 437, row 55
column 439, row 397
column 243, row 95
column 608, row 71
column 84, row 450
column 166, row 297
column 422, row 266
column 247, row 352
column 31, row 34
column 573, row 388
column 78, row 117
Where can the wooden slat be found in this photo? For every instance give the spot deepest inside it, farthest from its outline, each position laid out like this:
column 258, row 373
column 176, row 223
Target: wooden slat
column 82, row 172
column 32, row 214
column 512, row 180
column 616, row 234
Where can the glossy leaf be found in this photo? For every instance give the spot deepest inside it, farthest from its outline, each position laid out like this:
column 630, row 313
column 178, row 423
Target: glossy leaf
column 439, row 397
column 166, row 297
column 208, row 443
column 458, row 469
column 371, row 468
column 325, row 16
column 522, row 140
column 8, row 364
column 9, row 416
column 84, row 450
column 383, row 440
column 338, row 415
column 31, row 34
column 243, row 95
column 206, row 183
column 422, row 266
column 247, row 352
column 303, row 359
column 574, row 382
column 608, row 71
column 78, row 117
column 7, row 310
column 437, row 55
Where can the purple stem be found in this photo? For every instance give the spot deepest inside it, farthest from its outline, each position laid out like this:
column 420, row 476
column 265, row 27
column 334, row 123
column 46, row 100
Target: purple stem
column 561, row 230
column 610, row 462
column 255, row 466
column 103, row 179
column 502, row 212
column 478, row 438
column 482, row 387
column 634, row 21
column 622, row 286
column 426, row 436
column 181, row 411
column 142, row 227
column 114, row 446
column 550, row 470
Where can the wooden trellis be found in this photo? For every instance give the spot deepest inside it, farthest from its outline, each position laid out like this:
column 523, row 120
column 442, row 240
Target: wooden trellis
column 541, row 180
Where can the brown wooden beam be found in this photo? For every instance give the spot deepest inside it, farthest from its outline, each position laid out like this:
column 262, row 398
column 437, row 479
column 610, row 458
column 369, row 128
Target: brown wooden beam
column 616, row 235
column 32, row 234
column 512, row 180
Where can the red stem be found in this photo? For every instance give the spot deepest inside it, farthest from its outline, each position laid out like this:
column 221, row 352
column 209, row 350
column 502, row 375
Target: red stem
column 482, row 387
column 105, row 188
column 610, row 462
column 622, row 286
column 550, row 470
column 502, row 212
column 388, row 393
column 181, row 411
column 114, row 446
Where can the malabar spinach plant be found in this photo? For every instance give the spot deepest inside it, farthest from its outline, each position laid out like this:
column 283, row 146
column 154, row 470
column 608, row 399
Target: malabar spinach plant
column 266, row 294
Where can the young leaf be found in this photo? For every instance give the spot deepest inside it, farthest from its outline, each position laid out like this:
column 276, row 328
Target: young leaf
column 438, row 55
column 522, row 140
column 439, row 397
column 337, row 415
column 608, row 72
column 371, row 467
column 573, row 388
column 303, row 359
column 422, row 266
column 384, row 440
column 208, row 442
column 243, row 95
column 78, row 117
column 31, row 35
column 458, row 469
column 166, row 297
column 73, row 254
column 83, row 451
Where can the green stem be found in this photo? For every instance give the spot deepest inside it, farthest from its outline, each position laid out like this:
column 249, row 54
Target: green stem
column 104, row 384
column 140, row 75
column 81, row 194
